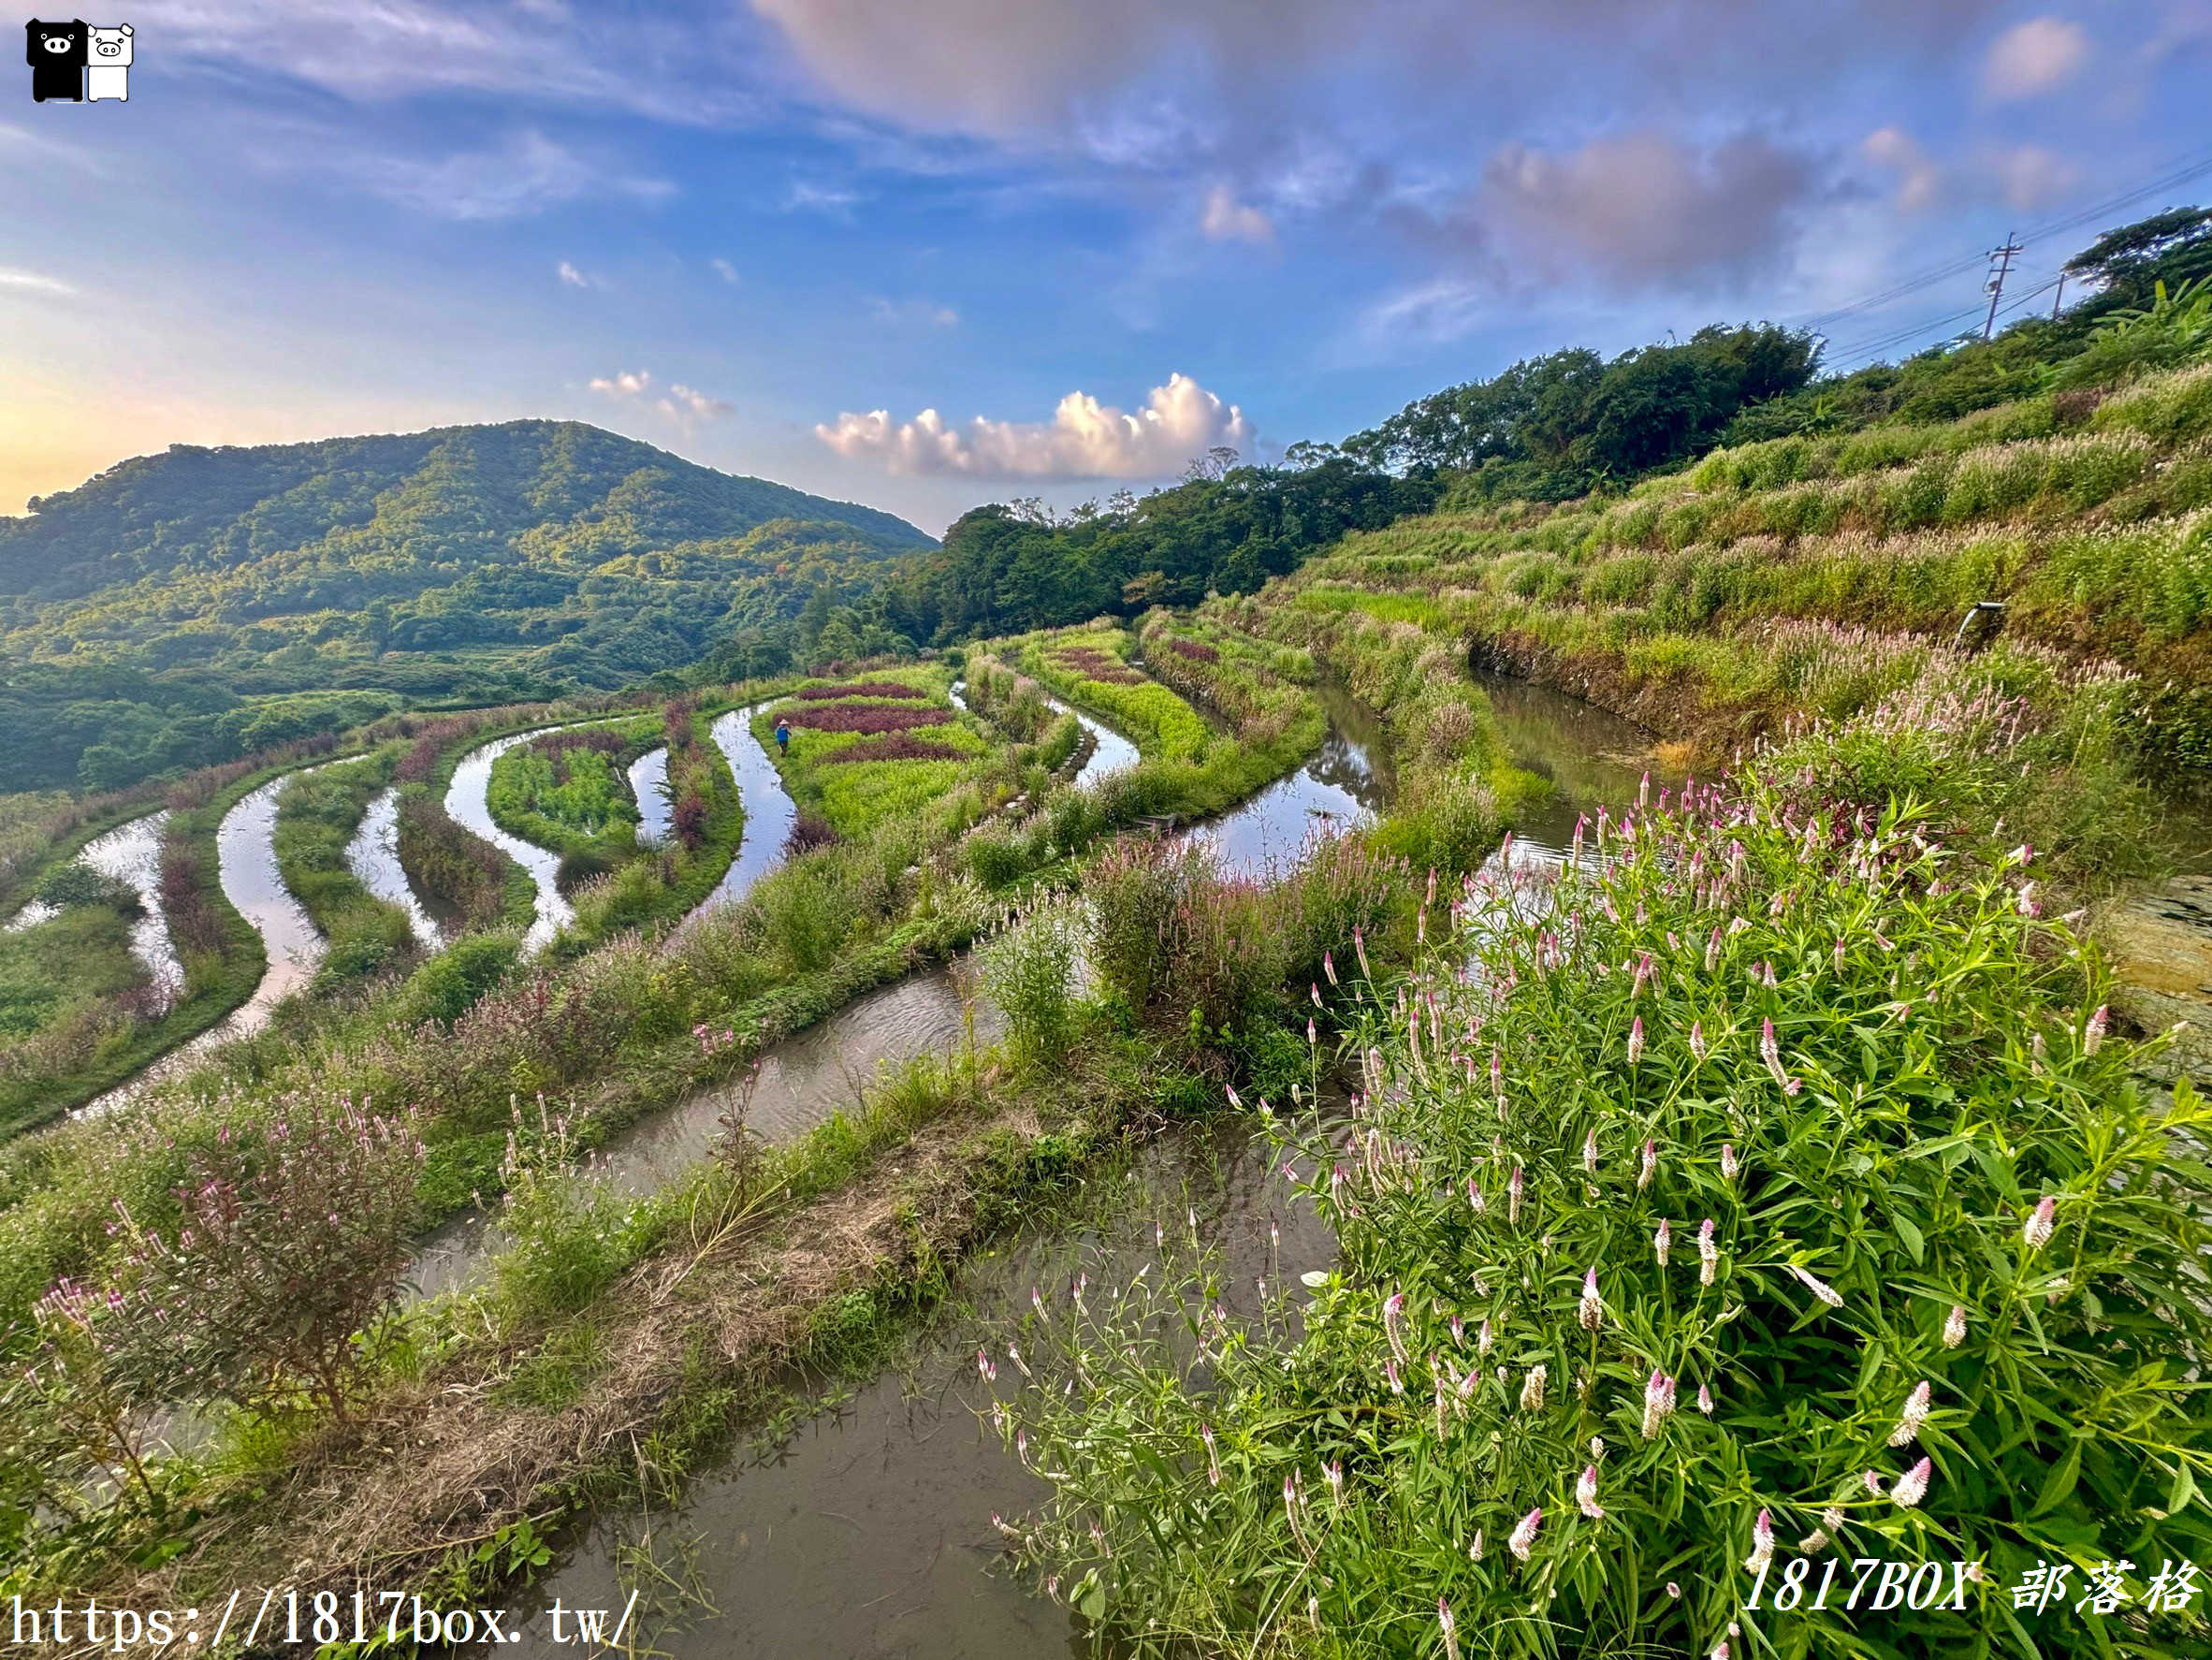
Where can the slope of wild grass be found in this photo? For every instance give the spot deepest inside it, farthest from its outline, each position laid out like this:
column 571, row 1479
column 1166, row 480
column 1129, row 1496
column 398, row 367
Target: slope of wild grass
column 1810, row 576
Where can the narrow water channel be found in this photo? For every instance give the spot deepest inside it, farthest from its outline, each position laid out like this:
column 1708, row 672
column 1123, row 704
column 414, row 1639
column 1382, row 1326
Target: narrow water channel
column 374, row 856
column 467, row 806
column 801, row 1082
column 649, row 784
column 245, row 852
column 1342, row 784
column 769, row 812
column 867, row 1534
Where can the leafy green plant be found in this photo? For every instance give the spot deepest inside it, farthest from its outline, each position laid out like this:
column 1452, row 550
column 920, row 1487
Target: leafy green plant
column 1776, row 1180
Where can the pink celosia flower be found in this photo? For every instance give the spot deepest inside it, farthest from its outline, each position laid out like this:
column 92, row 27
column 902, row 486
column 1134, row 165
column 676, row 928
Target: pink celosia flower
column 1523, row 1537
column 1698, row 1039
column 1513, row 1187
column 1916, row 1414
column 1451, row 1641
column 1591, row 1313
column 2040, row 1222
column 1532, row 1389
column 1819, row 1288
column 1636, row 1040
column 1651, row 1166
column 1658, row 1403
column 1586, row 1494
column 1590, row 1151
column 1708, row 1253
column 1762, row 1550
column 1955, row 1328
column 2092, row 1036
column 1663, row 1241
column 1705, row 1399
column 1911, row 1487
column 1728, row 1164
column 1771, row 1052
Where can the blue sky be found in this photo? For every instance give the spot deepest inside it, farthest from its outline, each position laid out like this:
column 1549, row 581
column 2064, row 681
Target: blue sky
column 1091, row 237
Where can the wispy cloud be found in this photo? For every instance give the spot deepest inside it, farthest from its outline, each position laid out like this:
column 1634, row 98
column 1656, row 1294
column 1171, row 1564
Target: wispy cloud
column 926, row 313
column 724, row 269
column 1085, row 439
column 687, row 406
column 572, row 278
column 23, row 282
column 526, row 174
column 804, row 197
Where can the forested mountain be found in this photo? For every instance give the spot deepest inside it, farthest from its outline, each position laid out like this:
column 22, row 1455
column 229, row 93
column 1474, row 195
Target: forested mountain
column 186, row 607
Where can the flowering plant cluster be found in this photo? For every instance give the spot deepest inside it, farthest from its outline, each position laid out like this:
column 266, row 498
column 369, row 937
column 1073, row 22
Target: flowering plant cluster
column 1777, row 1181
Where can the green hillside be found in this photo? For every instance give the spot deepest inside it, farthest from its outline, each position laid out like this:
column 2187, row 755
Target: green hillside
column 191, row 607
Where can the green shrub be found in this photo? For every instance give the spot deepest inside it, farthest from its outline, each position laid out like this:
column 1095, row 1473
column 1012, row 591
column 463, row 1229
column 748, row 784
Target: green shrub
column 1026, row 969
column 450, row 984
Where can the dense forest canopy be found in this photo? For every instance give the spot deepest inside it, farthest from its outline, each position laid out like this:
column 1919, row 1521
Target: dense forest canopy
column 191, row 607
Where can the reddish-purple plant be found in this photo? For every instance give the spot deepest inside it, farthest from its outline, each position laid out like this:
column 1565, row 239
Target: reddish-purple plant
column 858, row 689
column 866, row 718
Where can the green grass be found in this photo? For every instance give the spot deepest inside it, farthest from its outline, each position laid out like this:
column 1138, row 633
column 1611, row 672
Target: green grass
column 857, row 798
column 1163, row 726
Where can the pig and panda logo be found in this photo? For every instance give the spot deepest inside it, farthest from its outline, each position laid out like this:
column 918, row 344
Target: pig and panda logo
column 77, row 62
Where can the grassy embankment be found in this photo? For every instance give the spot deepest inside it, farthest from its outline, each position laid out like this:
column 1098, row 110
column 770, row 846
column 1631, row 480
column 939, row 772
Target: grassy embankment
column 1810, row 576
column 873, row 749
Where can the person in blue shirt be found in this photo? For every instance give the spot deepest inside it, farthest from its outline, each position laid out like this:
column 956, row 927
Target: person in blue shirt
column 782, row 735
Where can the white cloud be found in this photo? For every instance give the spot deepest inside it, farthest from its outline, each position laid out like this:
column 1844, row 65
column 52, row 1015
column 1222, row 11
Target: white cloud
column 725, row 271
column 571, row 277
column 2036, row 57
column 1085, row 439
column 804, row 197
column 924, row 313
column 23, row 282
column 1919, row 181
column 1226, row 219
column 686, row 404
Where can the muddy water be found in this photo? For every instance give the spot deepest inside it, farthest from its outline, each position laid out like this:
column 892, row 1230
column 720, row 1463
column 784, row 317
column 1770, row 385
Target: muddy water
column 1343, row 783
column 1593, row 758
column 868, row 1534
column 465, row 804
column 802, row 1081
column 374, row 856
column 769, row 813
column 649, row 784
column 130, row 853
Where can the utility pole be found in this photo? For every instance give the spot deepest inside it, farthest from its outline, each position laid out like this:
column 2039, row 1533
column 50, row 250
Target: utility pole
column 2003, row 259
column 2058, row 297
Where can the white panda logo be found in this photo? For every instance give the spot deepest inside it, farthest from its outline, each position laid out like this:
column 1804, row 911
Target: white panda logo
column 107, row 59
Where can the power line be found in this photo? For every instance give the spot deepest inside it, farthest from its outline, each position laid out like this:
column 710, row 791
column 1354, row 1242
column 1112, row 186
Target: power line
column 2179, row 174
